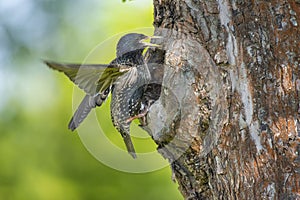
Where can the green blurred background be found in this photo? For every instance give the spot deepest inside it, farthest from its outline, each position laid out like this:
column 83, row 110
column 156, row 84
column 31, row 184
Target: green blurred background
column 39, row 157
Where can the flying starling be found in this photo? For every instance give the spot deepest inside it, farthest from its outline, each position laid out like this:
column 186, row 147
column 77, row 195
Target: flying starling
column 125, row 77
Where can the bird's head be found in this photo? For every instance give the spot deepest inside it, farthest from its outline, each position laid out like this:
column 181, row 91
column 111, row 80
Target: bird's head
column 133, row 42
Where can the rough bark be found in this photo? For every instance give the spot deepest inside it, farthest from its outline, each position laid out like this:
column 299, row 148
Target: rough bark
column 228, row 115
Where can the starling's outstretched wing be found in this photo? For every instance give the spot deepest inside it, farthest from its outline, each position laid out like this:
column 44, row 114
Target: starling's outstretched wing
column 92, row 78
column 82, row 111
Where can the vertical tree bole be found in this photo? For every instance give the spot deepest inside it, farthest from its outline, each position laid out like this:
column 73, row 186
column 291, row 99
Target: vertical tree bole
column 228, row 115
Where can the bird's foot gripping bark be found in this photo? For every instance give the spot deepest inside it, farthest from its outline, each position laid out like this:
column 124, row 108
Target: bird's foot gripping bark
column 141, row 116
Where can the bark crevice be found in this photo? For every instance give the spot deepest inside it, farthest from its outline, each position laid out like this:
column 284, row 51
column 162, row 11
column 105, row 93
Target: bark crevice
column 228, row 114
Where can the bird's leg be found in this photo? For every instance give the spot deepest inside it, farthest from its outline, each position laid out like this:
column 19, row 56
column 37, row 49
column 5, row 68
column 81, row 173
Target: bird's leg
column 140, row 115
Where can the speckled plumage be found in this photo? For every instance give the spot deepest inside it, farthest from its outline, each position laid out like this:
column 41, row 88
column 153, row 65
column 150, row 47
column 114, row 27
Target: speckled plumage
column 127, row 96
column 126, row 77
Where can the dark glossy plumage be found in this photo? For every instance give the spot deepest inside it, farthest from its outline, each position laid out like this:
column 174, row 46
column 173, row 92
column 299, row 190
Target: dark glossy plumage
column 125, row 77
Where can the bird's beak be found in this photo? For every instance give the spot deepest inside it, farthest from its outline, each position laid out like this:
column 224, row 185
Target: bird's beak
column 149, row 44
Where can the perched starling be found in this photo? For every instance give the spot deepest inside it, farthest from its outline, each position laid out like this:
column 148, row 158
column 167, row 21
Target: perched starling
column 126, row 77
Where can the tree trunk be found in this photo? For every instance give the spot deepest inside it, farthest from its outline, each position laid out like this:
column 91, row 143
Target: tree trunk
column 228, row 115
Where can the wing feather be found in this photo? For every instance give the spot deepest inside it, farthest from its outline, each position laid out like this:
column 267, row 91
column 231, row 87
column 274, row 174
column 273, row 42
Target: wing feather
column 92, row 78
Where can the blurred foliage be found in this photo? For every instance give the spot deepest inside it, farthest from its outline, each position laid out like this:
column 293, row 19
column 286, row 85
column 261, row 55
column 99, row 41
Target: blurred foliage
column 39, row 157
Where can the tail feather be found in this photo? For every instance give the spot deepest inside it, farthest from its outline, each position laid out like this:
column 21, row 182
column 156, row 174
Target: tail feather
column 129, row 145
